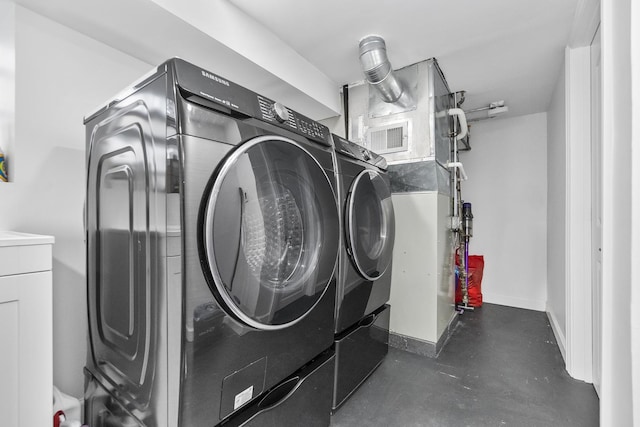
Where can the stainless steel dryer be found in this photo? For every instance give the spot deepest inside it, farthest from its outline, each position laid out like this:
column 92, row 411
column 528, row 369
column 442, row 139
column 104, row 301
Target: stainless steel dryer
column 364, row 284
column 212, row 242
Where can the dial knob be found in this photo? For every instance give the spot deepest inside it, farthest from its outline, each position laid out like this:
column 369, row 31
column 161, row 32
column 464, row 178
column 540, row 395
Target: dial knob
column 280, row 112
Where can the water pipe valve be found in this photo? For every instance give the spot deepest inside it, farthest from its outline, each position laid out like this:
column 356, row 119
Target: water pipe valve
column 455, row 223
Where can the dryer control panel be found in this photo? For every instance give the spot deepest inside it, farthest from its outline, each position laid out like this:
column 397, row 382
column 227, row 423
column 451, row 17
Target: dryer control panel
column 232, row 97
column 359, row 152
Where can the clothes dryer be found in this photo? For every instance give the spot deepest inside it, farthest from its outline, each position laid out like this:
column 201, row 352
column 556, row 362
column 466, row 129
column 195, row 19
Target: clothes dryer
column 212, row 243
column 364, row 285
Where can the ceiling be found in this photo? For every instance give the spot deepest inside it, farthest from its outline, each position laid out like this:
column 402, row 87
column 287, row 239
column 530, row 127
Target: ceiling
column 494, row 49
column 302, row 53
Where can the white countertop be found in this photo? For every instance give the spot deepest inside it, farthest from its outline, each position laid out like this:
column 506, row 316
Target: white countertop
column 15, row 238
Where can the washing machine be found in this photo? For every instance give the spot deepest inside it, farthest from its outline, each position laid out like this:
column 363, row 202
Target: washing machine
column 364, row 283
column 212, row 231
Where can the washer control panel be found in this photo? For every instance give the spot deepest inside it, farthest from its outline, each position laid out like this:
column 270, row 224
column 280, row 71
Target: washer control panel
column 229, row 97
column 276, row 112
column 280, row 112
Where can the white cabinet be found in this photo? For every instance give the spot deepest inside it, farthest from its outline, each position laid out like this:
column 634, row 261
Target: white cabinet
column 26, row 365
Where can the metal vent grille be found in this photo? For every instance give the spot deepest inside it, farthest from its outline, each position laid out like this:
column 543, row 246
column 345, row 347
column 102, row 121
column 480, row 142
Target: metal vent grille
column 390, row 138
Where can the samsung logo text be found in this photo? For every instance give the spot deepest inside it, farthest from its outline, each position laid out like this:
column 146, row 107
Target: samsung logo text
column 215, row 78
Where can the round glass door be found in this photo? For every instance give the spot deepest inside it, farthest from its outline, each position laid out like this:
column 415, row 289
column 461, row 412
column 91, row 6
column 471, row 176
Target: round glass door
column 370, row 224
column 270, row 233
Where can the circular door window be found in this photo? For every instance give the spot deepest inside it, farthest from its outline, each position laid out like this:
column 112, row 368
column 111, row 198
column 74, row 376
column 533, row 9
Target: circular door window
column 370, row 224
column 270, row 232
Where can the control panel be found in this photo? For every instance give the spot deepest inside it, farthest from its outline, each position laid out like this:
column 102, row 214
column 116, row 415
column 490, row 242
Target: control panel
column 275, row 112
column 233, row 97
column 359, row 152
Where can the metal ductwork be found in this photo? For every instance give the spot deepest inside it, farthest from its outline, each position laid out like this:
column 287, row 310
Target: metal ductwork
column 378, row 71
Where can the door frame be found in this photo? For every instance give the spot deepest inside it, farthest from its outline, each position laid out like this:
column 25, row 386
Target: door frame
column 579, row 328
column 578, row 217
column 635, row 202
column 596, row 211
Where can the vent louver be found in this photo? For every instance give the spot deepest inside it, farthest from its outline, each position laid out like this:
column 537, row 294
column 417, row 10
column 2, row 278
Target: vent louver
column 389, row 138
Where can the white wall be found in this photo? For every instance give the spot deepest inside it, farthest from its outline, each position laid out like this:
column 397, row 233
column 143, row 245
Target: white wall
column 335, row 125
column 7, row 77
column 556, row 210
column 61, row 76
column 507, row 186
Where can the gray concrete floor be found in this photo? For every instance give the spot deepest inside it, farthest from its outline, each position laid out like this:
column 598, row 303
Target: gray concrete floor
column 501, row 367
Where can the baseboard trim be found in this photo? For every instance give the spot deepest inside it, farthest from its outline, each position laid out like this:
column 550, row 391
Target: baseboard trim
column 448, row 331
column 412, row 345
column 423, row 347
column 516, row 302
column 555, row 327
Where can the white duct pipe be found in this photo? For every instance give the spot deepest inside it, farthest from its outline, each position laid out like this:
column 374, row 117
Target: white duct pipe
column 464, row 128
column 460, row 167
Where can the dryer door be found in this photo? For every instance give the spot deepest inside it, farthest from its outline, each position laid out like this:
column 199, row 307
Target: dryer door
column 370, row 224
column 269, row 233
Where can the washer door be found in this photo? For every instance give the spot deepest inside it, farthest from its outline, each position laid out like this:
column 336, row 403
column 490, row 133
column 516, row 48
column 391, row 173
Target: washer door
column 370, row 224
column 269, row 233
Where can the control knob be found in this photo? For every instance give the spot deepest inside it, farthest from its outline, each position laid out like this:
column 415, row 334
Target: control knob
column 280, row 112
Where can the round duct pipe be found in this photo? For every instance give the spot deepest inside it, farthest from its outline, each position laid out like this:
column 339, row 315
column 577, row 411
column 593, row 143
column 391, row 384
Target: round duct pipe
column 377, row 68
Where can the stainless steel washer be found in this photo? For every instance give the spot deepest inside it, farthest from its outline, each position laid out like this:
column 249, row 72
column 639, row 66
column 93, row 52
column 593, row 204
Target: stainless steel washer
column 212, row 243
